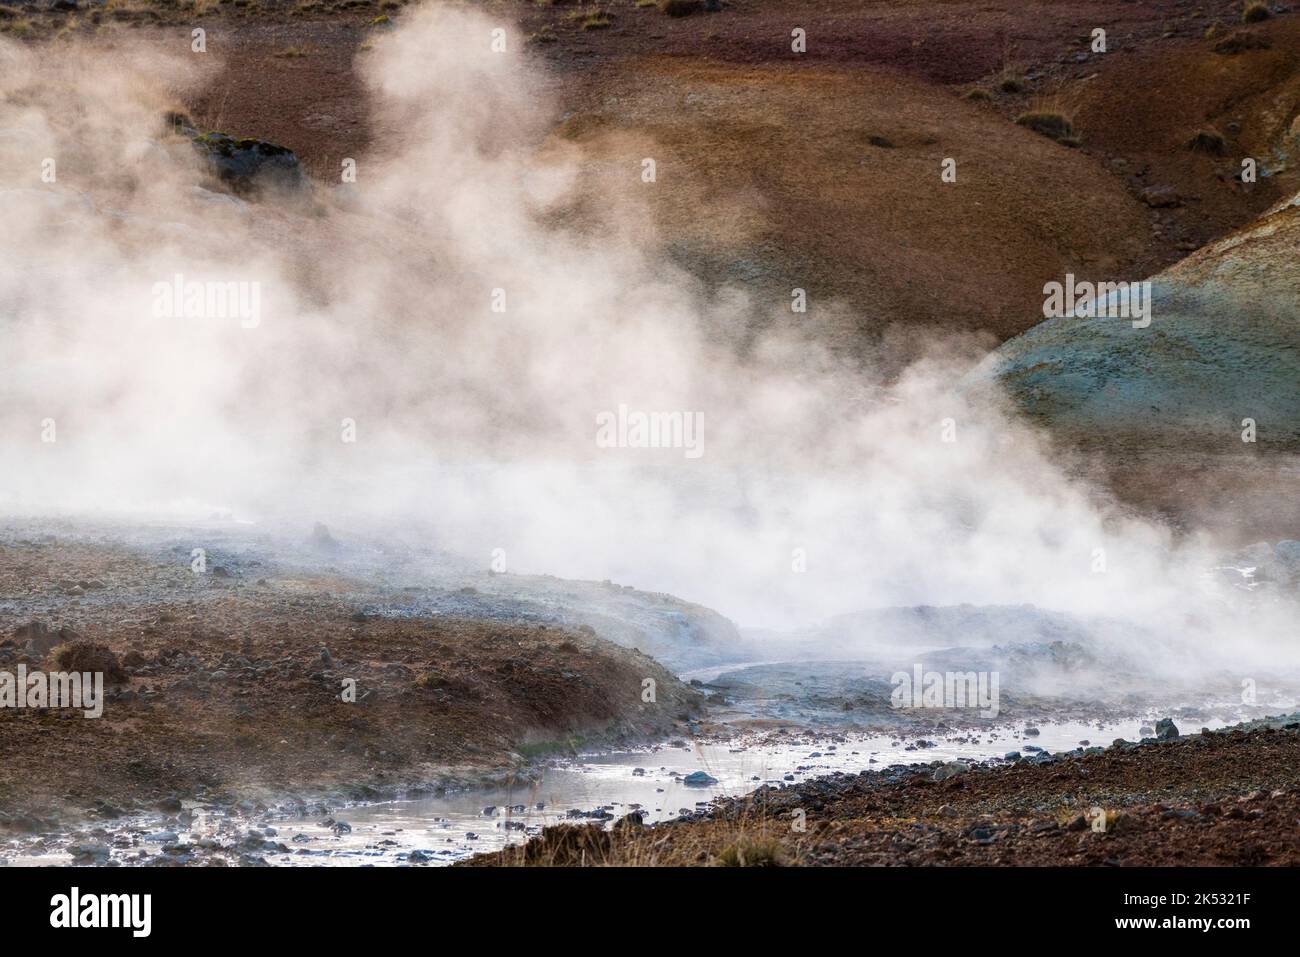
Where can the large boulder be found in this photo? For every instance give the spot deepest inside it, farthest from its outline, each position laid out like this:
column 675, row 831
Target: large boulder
column 246, row 165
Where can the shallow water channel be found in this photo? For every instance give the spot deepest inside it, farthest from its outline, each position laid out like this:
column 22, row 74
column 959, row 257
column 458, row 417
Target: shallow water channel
column 602, row 787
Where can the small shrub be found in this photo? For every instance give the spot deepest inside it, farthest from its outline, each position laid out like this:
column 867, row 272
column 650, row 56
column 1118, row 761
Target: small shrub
column 89, row 656
column 1239, row 41
column 1255, row 12
column 568, row 845
column 1208, row 141
column 596, row 21
column 1049, row 124
column 1010, row 83
column 979, row 94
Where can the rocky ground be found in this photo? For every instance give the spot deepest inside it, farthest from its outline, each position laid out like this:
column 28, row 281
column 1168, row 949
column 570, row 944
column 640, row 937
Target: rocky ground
column 1215, row 798
column 232, row 684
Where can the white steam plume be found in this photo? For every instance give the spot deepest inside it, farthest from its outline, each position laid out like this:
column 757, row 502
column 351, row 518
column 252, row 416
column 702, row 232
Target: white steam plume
column 477, row 429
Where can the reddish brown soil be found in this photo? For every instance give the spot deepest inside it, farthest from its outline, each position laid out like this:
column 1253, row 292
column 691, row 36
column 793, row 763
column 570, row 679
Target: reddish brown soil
column 1219, row 799
column 774, row 175
column 231, row 695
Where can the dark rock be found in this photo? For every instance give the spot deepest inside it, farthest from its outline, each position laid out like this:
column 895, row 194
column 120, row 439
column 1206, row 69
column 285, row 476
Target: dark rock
column 699, row 779
column 1160, row 197
column 95, row 854
column 106, row 810
column 634, row 820
column 248, row 166
column 1166, row 730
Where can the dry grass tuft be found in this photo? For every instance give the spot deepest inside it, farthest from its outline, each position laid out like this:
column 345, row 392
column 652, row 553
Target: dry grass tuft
column 1208, row 141
column 1049, row 123
column 1255, row 12
column 753, row 852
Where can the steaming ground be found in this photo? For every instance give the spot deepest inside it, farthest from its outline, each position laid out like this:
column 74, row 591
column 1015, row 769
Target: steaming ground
column 825, row 486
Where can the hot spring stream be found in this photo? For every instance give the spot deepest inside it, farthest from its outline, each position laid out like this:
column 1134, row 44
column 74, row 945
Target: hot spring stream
column 606, row 786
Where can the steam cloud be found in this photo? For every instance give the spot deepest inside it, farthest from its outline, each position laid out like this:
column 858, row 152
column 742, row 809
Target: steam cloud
column 476, row 429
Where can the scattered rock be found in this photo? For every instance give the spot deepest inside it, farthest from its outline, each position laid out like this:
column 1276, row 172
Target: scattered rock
column 93, row 854
column 950, row 770
column 1160, row 197
column 699, row 779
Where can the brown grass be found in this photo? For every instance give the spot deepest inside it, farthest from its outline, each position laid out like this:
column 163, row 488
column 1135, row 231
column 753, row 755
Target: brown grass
column 1239, row 41
column 89, row 656
column 1255, row 12
column 753, row 851
column 1049, row 123
column 753, row 839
